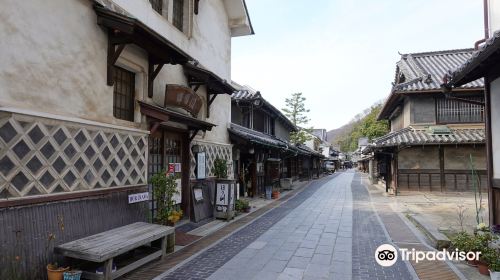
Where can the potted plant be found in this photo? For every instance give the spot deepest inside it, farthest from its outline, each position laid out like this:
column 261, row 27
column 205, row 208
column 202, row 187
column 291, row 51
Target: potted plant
column 55, row 272
column 464, row 242
column 164, row 188
column 495, row 268
column 276, row 193
column 246, row 206
column 220, row 168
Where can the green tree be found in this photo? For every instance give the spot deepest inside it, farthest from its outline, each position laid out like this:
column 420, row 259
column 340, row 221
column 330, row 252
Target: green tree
column 296, row 111
column 366, row 125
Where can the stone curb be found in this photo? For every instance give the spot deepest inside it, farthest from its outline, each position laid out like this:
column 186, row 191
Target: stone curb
column 438, row 240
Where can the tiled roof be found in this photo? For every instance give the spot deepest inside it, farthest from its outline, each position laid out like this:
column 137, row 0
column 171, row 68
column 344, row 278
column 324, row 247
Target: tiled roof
column 256, row 136
column 425, row 71
column 462, row 73
column 246, row 93
column 412, row 136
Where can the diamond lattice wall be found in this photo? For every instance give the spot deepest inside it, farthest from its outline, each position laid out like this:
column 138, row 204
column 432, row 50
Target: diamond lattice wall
column 213, row 151
column 44, row 156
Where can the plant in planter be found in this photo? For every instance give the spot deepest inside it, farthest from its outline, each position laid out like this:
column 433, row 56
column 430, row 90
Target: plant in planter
column 164, row 188
column 495, row 268
column 220, row 168
column 464, row 242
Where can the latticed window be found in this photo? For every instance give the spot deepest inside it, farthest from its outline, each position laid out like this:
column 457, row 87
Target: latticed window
column 178, row 14
column 157, row 5
column 123, row 94
column 454, row 111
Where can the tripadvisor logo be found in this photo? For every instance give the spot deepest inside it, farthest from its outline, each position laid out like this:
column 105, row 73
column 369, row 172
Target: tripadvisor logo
column 387, row 255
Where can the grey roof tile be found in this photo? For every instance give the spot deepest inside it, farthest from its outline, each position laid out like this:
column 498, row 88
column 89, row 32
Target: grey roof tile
column 412, row 136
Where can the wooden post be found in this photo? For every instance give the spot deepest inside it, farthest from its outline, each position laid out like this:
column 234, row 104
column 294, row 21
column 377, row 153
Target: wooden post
column 441, row 167
column 108, row 269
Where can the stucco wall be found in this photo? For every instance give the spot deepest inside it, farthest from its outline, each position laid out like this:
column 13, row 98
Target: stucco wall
column 423, row 110
column 419, row 158
column 397, row 122
column 57, row 63
column 54, row 59
column 495, row 125
column 458, row 157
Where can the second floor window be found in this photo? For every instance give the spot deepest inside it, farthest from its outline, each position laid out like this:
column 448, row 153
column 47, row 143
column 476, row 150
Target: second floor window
column 454, row 111
column 157, row 5
column 178, row 14
column 123, row 94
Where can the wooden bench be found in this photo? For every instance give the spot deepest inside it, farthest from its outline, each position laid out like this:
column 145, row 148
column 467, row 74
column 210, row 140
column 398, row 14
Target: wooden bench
column 104, row 246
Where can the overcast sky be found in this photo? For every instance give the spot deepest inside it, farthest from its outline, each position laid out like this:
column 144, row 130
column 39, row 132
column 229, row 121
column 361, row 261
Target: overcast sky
column 341, row 54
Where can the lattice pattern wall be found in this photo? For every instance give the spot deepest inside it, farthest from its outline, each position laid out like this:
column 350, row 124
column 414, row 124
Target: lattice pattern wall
column 45, row 156
column 212, row 151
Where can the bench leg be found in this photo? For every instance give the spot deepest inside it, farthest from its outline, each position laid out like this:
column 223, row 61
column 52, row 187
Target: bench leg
column 171, row 242
column 108, row 269
column 163, row 247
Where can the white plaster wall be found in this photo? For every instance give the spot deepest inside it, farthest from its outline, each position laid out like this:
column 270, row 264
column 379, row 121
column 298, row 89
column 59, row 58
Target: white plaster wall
column 210, row 43
column 57, row 63
column 407, row 112
column 53, row 59
column 494, row 15
column 495, row 125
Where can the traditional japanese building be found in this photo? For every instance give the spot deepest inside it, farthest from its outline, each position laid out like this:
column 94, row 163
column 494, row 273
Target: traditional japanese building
column 436, row 142
column 95, row 97
column 262, row 150
column 484, row 63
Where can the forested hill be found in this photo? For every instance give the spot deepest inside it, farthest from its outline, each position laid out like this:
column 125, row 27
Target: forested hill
column 364, row 124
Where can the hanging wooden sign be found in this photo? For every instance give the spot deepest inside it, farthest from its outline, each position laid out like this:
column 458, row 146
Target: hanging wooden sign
column 183, row 97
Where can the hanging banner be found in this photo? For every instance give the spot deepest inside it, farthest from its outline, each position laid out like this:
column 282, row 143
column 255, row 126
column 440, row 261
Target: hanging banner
column 200, row 165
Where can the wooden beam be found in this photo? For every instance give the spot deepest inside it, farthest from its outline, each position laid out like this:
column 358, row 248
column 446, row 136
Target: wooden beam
column 441, row 167
column 210, row 100
column 193, row 134
column 113, row 55
column 152, row 73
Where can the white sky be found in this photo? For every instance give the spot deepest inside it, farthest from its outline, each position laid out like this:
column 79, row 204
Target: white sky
column 341, row 54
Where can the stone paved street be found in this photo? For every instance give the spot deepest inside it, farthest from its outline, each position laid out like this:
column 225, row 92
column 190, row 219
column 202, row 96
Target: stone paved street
column 327, row 231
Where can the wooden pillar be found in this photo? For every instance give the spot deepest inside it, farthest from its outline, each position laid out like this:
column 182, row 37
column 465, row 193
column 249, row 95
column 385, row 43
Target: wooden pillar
column 185, row 169
column 493, row 191
column 441, row 167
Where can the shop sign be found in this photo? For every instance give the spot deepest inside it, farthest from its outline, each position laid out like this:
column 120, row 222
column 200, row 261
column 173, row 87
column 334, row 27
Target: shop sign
column 183, row 97
column 200, row 165
column 138, row 197
column 177, row 197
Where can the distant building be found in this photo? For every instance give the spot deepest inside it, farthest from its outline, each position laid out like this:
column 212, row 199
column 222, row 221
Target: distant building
column 435, row 140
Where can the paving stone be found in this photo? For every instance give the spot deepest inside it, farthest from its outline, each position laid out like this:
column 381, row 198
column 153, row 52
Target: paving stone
column 257, row 245
column 298, row 262
column 304, row 252
column 291, row 274
column 317, row 271
column 321, row 259
column 324, row 249
column 275, row 266
column 283, row 255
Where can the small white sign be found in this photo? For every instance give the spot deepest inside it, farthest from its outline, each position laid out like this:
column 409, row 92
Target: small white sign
column 138, row 197
column 200, row 165
column 177, row 197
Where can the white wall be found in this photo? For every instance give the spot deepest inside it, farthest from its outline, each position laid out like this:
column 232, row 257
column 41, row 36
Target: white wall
column 494, row 15
column 54, row 59
column 495, row 125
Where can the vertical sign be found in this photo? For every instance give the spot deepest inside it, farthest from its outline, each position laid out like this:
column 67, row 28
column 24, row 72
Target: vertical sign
column 222, row 194
column 177, row 197
column 200, row 165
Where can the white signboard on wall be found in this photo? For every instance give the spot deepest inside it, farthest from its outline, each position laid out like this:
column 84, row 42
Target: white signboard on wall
column 200, row 165
column 177, row 197
column 138, row 197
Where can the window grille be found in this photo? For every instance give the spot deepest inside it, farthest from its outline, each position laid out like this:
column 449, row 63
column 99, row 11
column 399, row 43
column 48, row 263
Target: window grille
column 178, row 14
column 123, row 94
column 454, row 111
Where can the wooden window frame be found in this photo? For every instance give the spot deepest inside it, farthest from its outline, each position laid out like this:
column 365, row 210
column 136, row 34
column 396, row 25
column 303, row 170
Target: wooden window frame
column 178, row 14
column 121, row 109
column 462, row 109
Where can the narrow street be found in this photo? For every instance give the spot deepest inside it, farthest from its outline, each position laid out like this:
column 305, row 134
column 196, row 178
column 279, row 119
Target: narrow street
column 310, row 236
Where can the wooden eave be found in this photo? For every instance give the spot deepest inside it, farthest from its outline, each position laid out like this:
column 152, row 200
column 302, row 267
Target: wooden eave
column 127, row 30
column 157, row 115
